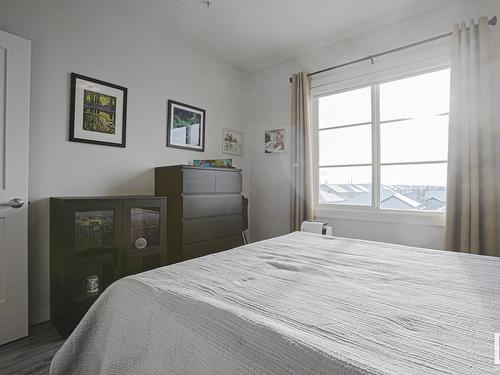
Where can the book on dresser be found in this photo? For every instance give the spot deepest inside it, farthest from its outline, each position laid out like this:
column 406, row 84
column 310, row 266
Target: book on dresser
column 97, row 240
column 205, row 209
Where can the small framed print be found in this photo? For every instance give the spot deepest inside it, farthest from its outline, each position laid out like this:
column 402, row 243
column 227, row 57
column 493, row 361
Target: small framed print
column 185, row 126
column 98, row 112
column 232, row 142
column 274, row 141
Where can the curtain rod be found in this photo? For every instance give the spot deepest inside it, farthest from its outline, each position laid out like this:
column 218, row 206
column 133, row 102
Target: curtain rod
column 492, row 22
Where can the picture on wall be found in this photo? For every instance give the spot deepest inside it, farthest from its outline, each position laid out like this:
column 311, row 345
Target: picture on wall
column 274, row 141
column 98, row 112
column 185, row 126
column 232, row 142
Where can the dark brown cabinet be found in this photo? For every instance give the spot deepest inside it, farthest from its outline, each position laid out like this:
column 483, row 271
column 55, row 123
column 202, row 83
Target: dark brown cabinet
column 204, row 211
column 97, row 240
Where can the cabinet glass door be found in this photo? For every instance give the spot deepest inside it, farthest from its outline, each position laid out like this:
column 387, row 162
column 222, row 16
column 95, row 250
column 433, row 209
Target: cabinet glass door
column 144, row 234
column 93, row 231
column 144, row 227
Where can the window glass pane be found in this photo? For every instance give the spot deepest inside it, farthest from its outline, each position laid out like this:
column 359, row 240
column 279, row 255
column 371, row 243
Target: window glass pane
column 424, row 139
column 422, row 95
column 346, row 108
column 345, row 185
column 413, row 187
column 345, row 146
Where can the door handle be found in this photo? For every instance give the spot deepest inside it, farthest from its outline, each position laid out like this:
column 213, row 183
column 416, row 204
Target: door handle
column 14, row 203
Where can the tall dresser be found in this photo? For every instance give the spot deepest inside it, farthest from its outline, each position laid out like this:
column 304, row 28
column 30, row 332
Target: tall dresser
column 204, row 209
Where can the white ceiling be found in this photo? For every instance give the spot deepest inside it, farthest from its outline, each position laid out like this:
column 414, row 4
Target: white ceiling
column 254, row 34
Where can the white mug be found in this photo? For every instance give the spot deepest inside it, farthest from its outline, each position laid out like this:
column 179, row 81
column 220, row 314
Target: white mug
column 92, row 284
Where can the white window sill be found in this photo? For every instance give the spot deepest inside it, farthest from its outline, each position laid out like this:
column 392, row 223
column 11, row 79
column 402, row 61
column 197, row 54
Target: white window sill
column 430, row 218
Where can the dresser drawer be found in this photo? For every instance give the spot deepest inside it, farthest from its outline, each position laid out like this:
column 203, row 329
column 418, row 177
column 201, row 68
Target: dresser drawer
column 211, row 205
column 196, row 181
column 200, row 249
column 228, row 182
column 196, row 230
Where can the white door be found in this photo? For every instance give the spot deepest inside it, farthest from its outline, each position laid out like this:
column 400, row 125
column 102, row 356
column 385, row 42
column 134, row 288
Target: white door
column 15, row 57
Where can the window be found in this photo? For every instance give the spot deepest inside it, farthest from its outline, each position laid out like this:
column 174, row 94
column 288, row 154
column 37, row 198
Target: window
column 385, row 146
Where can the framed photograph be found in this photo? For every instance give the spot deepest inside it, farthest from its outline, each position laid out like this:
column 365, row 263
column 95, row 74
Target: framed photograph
column 274, row 141
column 98, row 112
column 185, row 126
column 232, row 142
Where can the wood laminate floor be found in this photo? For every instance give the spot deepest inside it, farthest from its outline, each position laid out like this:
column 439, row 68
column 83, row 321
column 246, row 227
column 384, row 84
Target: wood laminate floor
column 31, row 355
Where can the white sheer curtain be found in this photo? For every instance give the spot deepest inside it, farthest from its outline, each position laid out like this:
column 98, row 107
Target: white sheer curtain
column 471, row 217
column 301, row 201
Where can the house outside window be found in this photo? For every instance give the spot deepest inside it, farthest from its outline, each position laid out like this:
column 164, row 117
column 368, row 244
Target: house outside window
column 385, row 145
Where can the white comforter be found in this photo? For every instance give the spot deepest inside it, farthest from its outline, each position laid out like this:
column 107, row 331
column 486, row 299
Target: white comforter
column 296, row 304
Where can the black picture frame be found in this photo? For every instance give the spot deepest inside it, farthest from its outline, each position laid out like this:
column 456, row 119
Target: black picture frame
column 172, row 104
column 72, row 124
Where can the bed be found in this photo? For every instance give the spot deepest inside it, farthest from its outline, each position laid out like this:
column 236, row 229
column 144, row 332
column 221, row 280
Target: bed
column 301, row 303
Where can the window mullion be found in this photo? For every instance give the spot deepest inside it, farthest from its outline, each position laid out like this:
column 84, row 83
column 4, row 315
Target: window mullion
column 376, row 146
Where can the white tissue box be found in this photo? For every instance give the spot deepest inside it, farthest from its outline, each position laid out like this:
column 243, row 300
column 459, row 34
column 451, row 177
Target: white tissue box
column 316, row 227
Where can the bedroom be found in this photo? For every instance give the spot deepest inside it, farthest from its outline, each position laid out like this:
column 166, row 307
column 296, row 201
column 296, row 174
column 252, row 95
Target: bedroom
column 230, row 62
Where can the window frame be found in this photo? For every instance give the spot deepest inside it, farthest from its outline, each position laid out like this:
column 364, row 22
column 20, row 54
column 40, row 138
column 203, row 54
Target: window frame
column 372, row 212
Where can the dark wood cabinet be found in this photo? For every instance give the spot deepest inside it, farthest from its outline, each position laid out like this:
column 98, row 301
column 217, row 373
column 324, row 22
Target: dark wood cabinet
column 97, row 240
column 205, row 213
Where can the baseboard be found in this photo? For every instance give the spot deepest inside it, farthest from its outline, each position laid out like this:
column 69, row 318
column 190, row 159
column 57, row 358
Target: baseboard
column 39, row 316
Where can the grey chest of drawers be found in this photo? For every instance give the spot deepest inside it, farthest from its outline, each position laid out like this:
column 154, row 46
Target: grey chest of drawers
column 204, row 210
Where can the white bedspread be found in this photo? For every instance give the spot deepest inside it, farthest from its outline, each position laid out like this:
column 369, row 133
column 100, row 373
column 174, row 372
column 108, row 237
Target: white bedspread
column 296, row 304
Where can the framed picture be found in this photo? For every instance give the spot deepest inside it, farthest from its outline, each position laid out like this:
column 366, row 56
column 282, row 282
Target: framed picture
column 98, row 112
column 232, row 142
column 274, row 141
column 185, row 126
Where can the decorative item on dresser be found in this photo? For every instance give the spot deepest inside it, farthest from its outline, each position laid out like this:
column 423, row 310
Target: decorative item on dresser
column 97, row 240
column 213, row 163
column 204, row 211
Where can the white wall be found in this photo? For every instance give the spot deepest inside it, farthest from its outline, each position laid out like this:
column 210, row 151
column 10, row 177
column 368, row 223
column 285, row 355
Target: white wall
column 270, row 108
column 101, row 40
